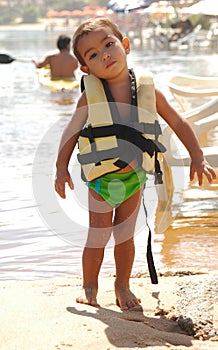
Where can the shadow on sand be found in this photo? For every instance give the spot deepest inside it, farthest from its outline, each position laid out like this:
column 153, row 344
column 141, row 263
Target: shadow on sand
column 132, row 329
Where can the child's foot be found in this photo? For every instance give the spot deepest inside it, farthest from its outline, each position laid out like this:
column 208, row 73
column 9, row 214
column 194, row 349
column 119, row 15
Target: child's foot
column 125, row 299
column 88, row 297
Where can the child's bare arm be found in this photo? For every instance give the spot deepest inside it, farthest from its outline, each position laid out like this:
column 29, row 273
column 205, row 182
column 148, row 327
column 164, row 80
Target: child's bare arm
column 185, row 133
column 68, row 142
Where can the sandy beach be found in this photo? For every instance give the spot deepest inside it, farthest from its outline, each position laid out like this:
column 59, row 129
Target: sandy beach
column 43, row 315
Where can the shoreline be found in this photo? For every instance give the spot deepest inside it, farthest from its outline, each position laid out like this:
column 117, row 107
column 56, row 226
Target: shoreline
column 44, row 24
column 43, row 314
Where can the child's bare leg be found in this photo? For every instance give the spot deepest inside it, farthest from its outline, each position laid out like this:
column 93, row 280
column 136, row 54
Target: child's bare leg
column 100, row 221
column 91, row 260
column 124, row 251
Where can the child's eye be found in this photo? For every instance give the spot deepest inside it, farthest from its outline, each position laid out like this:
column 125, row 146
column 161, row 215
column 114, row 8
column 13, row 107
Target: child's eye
column 110, row 43
column 93, row 55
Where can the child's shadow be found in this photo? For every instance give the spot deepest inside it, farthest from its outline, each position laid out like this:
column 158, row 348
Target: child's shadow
column 134, row 330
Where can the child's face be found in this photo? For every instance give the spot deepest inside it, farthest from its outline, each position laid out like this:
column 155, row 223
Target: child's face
column 103, row 53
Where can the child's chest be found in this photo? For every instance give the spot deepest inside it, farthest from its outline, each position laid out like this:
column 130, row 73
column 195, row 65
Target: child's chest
column 123, row 98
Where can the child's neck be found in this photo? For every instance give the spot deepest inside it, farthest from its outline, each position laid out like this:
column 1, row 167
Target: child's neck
column 121, row 90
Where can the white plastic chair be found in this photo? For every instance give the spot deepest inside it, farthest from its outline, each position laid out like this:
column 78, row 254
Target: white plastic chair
column 187, row 89
column 177, row 155
column 202, row 119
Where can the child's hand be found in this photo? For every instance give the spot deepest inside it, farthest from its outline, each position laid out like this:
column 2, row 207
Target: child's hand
column 202, row 167
column 62, row 177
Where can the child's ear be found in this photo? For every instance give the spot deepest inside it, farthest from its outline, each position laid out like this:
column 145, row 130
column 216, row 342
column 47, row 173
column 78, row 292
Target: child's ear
column 126, row 44
column 84, row 69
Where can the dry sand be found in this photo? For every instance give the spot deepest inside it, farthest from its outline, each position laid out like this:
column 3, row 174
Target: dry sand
column 43, row 315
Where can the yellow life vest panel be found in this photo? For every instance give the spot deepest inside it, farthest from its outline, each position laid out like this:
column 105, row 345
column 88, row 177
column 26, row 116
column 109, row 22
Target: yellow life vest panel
column 107, row 145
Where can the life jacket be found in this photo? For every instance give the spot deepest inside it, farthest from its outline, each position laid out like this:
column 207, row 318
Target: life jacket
column 106, row 144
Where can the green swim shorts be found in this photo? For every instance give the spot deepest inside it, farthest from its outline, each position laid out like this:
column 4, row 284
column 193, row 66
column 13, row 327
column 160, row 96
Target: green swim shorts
column 115, row 188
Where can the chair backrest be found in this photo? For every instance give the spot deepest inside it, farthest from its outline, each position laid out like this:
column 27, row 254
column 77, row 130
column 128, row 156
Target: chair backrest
column 186, row 87
column 202, row 119
column 176, row 154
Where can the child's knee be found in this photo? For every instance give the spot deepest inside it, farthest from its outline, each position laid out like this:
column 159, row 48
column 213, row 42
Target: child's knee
column 98, row 237
column 123, row 234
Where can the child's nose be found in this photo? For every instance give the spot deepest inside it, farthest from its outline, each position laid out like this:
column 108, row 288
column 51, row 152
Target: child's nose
column 105, row 55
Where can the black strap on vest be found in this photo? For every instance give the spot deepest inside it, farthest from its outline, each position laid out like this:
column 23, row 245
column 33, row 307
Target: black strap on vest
column 82, row 85
column 135, row 144
column 127, row 131
column 150, row 260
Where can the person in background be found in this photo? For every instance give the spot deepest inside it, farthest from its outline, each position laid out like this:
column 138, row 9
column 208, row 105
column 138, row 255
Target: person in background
column 62, row 64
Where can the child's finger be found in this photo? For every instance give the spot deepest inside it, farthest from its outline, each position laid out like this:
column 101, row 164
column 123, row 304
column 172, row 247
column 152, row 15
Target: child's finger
column 200, row 178
column 70, row 183
column 60, row 189
column 192, row 173
column 213, row 173
column 210, row 174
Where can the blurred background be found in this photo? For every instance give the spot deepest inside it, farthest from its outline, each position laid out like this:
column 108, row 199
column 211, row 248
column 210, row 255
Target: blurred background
column 156, row 24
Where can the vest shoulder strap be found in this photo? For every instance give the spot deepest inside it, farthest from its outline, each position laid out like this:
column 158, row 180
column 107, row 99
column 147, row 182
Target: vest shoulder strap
column 95, row 97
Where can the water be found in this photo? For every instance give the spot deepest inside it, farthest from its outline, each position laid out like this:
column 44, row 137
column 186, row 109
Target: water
column 42, row 236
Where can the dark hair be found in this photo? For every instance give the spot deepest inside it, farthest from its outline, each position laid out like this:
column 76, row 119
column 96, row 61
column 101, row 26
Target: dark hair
column 91, row 25
column 63, row 41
